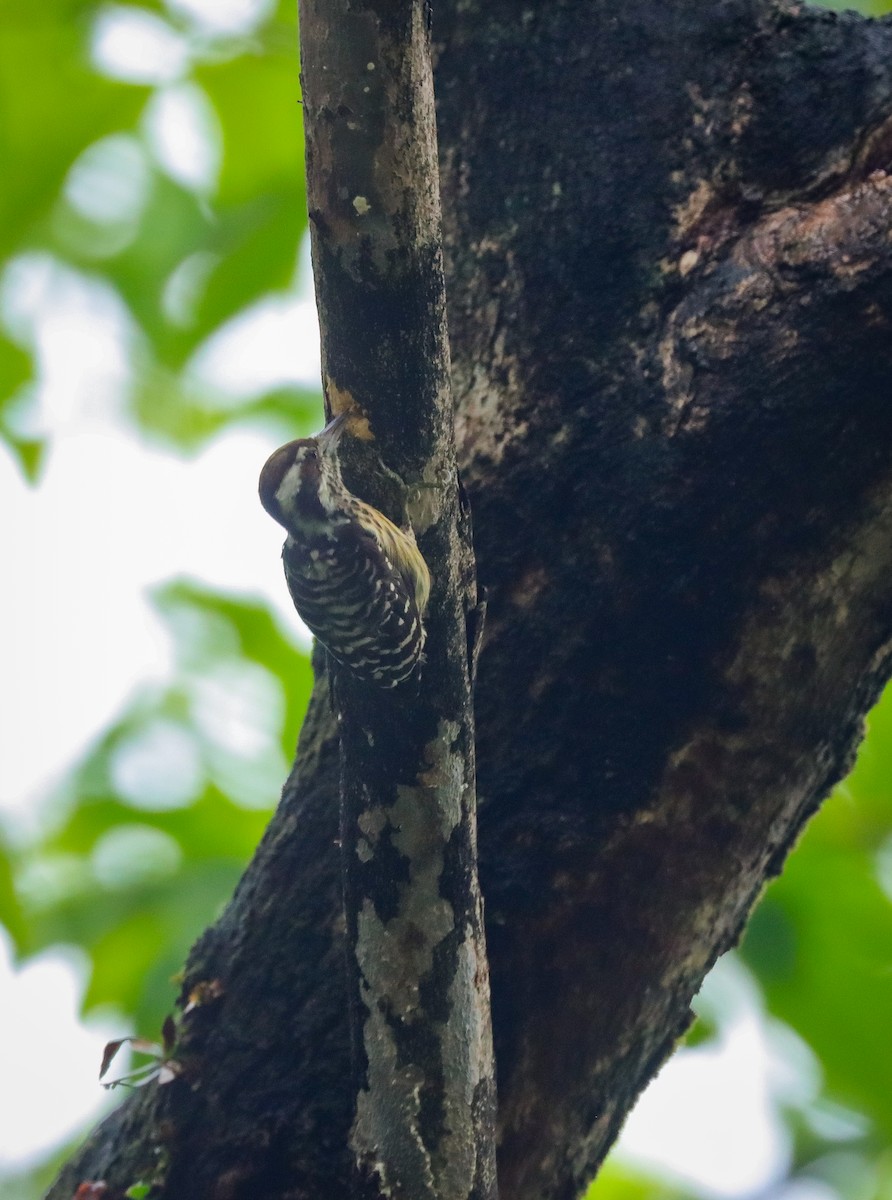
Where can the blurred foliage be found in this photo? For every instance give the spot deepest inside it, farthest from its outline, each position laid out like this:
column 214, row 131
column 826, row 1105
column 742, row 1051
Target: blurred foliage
column 820, row 944
column 620, row 1183
column 144, row 841
column 156, row 823
column 96, row 190
column 140, row 846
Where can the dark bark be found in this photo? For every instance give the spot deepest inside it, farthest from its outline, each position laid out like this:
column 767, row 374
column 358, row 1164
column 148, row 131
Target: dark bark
column 669, row 298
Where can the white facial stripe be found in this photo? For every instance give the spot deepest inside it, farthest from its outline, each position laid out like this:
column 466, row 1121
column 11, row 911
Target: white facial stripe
column 289, row 487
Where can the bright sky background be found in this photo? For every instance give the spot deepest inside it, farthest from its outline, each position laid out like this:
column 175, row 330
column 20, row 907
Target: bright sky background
column 111, row 518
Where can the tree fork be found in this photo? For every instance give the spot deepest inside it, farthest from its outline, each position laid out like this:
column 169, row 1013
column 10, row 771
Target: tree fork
column 670, row 300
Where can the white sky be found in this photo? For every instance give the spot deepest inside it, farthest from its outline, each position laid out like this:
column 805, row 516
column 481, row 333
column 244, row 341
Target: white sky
column 111, row 518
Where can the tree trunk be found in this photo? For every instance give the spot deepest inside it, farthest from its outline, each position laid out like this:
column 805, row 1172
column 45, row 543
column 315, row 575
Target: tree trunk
column 669, row 287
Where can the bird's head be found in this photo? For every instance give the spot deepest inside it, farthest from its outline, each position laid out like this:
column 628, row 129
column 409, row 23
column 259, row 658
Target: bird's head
column 289, row 481
column 299, row 481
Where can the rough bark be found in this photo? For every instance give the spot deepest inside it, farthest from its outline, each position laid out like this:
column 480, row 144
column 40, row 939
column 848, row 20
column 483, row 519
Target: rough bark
column 423, row 1073
column 670, row 285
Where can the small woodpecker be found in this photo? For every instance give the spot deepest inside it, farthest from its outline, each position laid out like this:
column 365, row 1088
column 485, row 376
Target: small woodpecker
column 359, row 582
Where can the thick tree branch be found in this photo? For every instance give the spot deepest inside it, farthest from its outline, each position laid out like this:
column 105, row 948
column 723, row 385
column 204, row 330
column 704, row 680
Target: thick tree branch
column 697, row 426
column 669, row 294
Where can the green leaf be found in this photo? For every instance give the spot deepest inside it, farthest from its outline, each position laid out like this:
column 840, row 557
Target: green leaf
column 16, row 409
column 618, row 1182
column 257, row 99
column 702, row 1032
column 257, row 244
column 29, row 454
column 296, row 412
column 11, row 912
column 166, row 404
column 15, row 369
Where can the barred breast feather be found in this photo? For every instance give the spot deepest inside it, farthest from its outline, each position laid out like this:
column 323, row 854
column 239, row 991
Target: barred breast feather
column 358, row 581
column 351, row 595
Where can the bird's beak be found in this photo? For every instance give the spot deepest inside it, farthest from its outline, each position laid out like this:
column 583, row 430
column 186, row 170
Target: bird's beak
column 336, row 425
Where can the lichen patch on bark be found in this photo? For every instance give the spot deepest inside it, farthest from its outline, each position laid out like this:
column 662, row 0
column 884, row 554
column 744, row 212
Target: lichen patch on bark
column 396, row 956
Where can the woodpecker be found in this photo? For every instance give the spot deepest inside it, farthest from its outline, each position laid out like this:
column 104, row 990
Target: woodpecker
column 359, row 582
